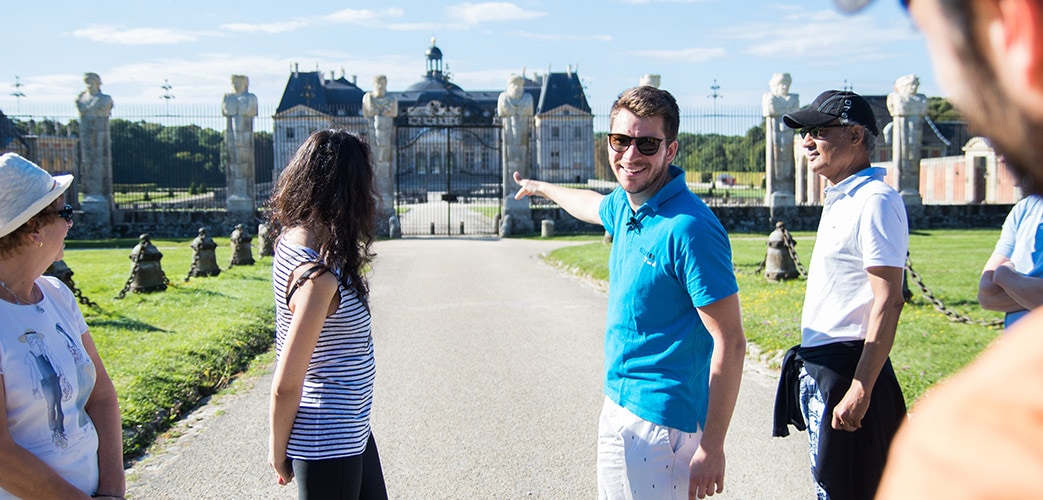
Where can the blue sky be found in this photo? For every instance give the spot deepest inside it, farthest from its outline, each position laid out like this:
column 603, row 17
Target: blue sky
column 196, row 45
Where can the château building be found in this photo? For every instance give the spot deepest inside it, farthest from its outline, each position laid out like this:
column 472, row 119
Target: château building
column 432, row 108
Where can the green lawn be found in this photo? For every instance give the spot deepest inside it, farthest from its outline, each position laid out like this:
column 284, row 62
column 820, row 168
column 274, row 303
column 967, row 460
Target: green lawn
column 167, row 350
column 928, row 347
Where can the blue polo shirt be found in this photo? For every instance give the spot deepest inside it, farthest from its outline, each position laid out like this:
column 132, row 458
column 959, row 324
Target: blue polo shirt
column 667, row 259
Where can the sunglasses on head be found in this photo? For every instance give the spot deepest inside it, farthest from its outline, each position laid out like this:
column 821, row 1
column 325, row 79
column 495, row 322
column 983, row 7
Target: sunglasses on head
column 65, row 213
column 814, row 132
column 647, row 146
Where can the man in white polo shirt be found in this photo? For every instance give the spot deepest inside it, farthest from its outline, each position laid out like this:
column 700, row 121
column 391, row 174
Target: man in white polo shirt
column 849, row 397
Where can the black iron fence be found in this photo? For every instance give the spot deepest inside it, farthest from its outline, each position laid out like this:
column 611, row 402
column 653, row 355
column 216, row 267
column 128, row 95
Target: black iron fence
column 168, row 155
column 163, row 157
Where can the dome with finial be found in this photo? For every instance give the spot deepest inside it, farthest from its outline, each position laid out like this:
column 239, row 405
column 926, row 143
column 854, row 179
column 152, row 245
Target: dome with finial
column 433, row 53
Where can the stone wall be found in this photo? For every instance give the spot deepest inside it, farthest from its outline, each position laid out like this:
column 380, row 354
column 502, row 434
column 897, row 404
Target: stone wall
column 739, row 219
column 760, row 219
column 164, row 224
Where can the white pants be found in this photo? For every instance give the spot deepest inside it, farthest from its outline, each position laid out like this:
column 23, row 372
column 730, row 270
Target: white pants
column 639, row 460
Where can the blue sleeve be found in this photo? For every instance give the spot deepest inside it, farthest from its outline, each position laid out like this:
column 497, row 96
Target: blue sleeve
column 707, row 264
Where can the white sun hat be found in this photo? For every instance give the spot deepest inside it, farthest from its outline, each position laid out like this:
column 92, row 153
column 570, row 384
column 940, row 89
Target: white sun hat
column 25, row 190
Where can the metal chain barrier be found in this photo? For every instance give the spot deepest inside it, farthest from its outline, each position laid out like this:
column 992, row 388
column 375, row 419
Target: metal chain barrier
column 760, row 268
column 788, row 240
column 130, row 279
column 940, row 307
column 917, row 278
column 83, row 299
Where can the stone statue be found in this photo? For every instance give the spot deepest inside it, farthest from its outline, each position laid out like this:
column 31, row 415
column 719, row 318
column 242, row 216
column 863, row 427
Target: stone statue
column 907, row 110
column 95, row 145
column 779, row 160
column 239, row 109
column 380, row 110
column 650, row 80
column 242, row 253
column 514, row 107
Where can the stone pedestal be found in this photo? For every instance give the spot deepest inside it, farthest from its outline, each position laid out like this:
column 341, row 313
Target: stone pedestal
column 518, row 213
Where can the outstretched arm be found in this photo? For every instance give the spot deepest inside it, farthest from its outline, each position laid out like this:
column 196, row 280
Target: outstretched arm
column 582, row 204
column 723, row 319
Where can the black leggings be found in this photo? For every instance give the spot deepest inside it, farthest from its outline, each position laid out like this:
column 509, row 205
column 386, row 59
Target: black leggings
column 359, row 477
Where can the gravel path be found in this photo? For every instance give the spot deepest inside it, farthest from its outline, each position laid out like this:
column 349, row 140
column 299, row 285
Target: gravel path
column 488, row 386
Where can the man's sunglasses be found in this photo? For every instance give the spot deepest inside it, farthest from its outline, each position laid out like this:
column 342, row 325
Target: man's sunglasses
column 647, row 146
column 814, row 132
column 65, row 213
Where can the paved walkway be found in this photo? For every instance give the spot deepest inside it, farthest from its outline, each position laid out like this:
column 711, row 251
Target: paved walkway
column 488, row 386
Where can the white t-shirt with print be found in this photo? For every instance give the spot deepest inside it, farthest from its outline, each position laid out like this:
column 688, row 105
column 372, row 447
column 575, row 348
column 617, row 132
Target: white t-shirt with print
column 48, row 378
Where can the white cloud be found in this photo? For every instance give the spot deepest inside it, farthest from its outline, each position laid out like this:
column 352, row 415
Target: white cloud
column 266, row 28
column 643, row 2
column 137, row 36
column 478, row 13
column 824, row 34
column 691, row 55
column 362, row 16
column 556, row 37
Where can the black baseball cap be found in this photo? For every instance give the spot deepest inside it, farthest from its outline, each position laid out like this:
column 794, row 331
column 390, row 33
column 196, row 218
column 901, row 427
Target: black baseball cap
column 831, row 105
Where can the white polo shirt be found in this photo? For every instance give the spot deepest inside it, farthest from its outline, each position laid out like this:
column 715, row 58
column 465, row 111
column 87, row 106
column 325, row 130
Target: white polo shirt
column 863, row 225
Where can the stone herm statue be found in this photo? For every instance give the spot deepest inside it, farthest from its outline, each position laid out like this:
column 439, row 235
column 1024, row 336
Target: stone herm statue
column 239, row 109
column 907, row 109
column 515, row 110
column 242, row 253
column 380, row 111
column 779, row 160
column 649, row 80
column 204, row 257
column 95, row 144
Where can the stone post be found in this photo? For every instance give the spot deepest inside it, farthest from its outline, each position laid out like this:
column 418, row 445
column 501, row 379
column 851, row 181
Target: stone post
column 778, row 144
column 907, row 110
column 95, row 176
column 515, row 109
column 239, row 109
column 380, row 111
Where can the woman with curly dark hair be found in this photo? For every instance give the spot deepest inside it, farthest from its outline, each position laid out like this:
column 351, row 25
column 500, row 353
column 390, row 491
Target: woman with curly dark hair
column 325, row 210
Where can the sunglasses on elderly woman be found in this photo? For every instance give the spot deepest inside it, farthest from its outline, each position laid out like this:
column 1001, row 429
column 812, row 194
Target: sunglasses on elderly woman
column 647, row 146
column 65, row 213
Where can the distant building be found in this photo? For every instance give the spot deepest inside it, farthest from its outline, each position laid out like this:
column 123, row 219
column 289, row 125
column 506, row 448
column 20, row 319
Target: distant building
column 563, row 128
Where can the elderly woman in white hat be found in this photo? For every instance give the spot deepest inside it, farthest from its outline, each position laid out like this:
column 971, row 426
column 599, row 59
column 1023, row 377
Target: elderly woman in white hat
column 60, row 432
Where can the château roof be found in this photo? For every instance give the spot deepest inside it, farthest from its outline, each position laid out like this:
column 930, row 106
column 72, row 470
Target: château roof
column 328, row 95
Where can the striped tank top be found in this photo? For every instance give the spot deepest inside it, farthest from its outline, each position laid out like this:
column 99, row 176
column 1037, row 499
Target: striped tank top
column 333, row 416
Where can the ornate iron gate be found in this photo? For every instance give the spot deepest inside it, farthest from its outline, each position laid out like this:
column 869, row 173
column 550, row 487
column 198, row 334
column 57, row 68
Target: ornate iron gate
column 448, row 180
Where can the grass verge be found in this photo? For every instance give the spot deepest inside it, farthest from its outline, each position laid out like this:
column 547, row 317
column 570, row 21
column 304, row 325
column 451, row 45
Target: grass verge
column 167, row 350
column 928, row 346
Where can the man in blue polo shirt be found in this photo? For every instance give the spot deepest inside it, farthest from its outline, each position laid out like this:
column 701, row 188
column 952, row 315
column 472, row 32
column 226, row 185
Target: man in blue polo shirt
column 674, row 343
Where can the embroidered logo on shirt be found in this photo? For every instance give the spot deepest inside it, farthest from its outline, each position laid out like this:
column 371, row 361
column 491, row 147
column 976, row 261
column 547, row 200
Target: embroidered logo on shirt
column 648, row 257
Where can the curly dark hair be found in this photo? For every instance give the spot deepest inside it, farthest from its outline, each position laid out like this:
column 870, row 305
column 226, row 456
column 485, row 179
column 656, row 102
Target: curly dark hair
column 329, row 188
